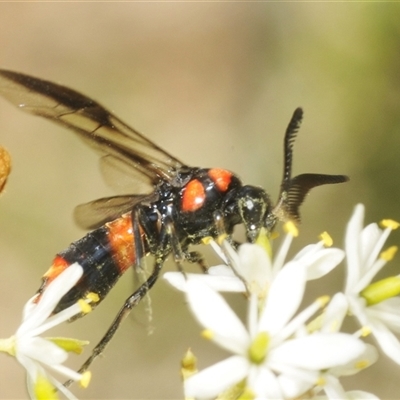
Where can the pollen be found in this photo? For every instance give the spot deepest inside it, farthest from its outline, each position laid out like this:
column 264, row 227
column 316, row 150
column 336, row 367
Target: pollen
column 326, row 239
column 291, row 228
column 389, row 253
column 93, row 297
column 274, row 235
column 221, row 238
column 389, row 223
column 85, row 307
column 207, row 240
column 207, row 334
column 85, row 380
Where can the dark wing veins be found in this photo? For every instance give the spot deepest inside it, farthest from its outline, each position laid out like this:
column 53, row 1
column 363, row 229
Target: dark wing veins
column 98, row 127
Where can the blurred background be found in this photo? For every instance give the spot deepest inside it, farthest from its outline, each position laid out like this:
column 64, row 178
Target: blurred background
column 215, row 84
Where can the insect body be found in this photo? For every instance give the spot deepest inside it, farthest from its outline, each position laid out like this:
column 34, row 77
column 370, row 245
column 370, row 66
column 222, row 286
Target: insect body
column 184, row 205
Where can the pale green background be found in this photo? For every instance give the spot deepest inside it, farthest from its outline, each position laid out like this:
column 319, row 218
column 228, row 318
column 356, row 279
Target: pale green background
column 215, row 84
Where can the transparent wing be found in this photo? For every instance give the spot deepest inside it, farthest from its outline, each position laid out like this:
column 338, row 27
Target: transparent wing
column 121, row 177
column 98, row 127
column 96, row 213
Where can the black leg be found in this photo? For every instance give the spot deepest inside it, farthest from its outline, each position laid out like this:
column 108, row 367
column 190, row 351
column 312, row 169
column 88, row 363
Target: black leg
column 130, row 302
column 196, row 257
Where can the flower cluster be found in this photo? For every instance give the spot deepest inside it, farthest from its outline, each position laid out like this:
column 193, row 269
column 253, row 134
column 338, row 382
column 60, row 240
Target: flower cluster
column 283, row 351
column 37, row 354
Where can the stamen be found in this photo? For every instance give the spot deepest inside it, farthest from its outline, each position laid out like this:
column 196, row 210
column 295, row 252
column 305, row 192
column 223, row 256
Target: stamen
column 207, row 334
column 85, row 307
column 85, row 380
column 365, row 331
column 188, row 364
column 389, row 253
column 221, row 238
column 290, row 228
column 389, row 223
column 207, row 240
column 189, row 361
column 326, row 239
column 93, row 297
column 323, row 300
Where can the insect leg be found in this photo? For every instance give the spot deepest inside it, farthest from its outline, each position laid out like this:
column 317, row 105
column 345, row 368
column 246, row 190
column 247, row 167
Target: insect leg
column 179, row 255
column 138, row 244
column 130, row 302
column 196, row 257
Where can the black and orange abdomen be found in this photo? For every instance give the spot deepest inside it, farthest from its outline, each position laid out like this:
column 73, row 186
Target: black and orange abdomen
column 104, row 254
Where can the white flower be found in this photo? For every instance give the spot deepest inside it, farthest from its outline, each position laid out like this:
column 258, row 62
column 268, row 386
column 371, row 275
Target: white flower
column 37, row 354
column 329, row 380
column 252, row 269
column 274, row 362
column 373, row 304
column 351, row 395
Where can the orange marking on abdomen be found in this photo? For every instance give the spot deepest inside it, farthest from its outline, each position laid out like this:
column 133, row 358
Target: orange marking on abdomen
column 120, row 235
column 221, row 177
column 58, row 266
column 193, row 196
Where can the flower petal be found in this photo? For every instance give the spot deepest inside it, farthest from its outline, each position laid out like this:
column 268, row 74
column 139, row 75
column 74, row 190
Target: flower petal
column 221, row 270
column 366, row 359
column 42, row 350
column 353, row 247
column 212, row 311
column 294, row 385
column 50, row 298
column 388, row 312
column 212, row 381
column 285, row 295
column 360, row 394
column 387, row 341
column 322, row 262
column 255, row 265
column 369, row 238
column 333, row 387
column 263, row 382
column 334, row 313
column 219, row 283
column 318, row 351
